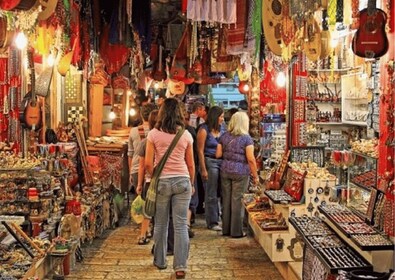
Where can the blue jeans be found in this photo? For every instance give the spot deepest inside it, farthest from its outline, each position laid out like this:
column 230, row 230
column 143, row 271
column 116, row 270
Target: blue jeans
column 211, row 186
column 233, row 188
column 177, row 191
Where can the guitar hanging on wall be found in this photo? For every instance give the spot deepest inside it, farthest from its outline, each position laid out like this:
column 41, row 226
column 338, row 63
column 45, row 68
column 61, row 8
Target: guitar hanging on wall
column 370, row 40
column 272, row 16
column 159, row 67
column 31, row 117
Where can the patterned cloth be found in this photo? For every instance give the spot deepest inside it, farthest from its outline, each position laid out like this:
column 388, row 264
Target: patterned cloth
column 234, row 155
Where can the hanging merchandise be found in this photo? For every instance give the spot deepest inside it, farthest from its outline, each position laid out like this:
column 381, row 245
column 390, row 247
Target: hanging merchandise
column 221, row 11
column 370, row 40
column 220, row 60
column 271, row 21
column 11, row 5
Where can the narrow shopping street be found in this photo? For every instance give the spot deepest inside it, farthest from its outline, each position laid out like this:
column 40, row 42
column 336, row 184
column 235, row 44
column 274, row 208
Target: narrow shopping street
column 116, row 255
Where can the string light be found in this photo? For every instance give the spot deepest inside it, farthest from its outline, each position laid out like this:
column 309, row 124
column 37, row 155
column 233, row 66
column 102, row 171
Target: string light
column 281, row 79
column 51, row 60
column 156, row 86
column 132, row 112
column 112, row 115
column 21, row 41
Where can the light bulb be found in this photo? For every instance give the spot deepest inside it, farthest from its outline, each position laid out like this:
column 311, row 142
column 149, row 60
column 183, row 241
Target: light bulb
column 21, row 41
column 156, row 86
column 50, row 60
column 112, row 115
column 129, row 92
column 132, row 112
column 281, row 79
column 246, row 87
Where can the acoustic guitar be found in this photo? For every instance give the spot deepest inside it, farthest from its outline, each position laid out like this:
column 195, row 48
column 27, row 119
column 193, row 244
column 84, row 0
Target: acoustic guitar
column 271, row 21
column 312, row 39
column 370, row 40
column 159, row 67
column 32, row 116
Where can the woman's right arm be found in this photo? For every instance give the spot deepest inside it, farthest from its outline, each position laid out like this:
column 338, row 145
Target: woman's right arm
column 201, row 141
column 252, row 162
column 141, row 175
column 149, row 157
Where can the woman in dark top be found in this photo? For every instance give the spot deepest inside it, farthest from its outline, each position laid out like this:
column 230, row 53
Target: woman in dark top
column 237, row 150
column 207, row 141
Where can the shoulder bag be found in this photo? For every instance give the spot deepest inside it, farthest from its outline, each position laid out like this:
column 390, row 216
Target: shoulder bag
column 150, row 200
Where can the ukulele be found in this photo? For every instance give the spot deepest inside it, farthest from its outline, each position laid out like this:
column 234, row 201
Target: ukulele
column 159, row 69
column 271, row 20
column 31, row 117
column 312, row 39
column 370, row 40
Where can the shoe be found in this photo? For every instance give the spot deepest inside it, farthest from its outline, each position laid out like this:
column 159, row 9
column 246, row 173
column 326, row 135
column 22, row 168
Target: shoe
column 216, row 228
column 240, row 236
column 180, row 274
column 149, row 234
column 143, row 240
column 160, row 267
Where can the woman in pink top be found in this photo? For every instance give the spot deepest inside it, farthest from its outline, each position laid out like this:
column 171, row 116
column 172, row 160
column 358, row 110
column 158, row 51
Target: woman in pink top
column 174, row 187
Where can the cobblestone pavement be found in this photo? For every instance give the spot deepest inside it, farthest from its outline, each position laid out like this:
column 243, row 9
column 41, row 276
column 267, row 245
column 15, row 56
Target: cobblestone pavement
column 116, row 255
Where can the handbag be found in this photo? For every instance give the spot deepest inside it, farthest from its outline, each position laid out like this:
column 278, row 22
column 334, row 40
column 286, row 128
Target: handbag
column 150, row 200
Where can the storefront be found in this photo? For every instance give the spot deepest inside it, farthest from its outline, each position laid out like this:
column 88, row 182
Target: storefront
column 318, row 81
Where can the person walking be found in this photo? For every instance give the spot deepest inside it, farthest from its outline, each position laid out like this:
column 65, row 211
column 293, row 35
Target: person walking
column 198, row 114
column 175, row 185
column 144, row 179
column 137, row 134
column 207, row 141
column 236, row 147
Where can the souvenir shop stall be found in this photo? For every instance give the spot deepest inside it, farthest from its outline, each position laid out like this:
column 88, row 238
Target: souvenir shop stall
column 318, row 81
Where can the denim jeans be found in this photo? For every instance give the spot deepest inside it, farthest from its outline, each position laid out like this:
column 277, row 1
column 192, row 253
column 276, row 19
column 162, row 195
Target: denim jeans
column 233, row 188
column 177, row 191
column 211, row 186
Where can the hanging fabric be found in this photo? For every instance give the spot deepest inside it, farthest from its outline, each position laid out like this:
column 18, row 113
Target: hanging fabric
column 221, row 11
column 220, row 60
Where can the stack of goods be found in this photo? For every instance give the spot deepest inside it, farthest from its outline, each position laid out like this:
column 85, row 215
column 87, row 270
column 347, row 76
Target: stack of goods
column 313, row 170
column 366, row 147
column 264, row 215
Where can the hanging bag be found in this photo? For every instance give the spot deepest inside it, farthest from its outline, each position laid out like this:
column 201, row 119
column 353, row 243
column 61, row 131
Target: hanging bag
column 150, row 200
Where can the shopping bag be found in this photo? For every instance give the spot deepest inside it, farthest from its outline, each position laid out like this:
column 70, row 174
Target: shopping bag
column 150, row 199
column 136, row 210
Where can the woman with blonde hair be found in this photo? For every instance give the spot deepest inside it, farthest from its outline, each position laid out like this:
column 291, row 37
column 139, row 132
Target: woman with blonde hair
column 236, row 148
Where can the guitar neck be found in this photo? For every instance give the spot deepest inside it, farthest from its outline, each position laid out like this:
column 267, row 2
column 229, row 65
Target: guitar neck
column 32, row 73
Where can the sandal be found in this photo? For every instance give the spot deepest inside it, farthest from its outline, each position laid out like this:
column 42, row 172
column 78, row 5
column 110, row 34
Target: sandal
column 180, row 274
column 143, row 240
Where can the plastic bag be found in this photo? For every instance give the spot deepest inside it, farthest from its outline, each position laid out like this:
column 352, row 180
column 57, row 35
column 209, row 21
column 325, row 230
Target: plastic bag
column 136, row 210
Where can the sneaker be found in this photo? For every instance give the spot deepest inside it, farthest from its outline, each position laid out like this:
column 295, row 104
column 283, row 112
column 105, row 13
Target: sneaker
column 143, row 240
column 216, row 228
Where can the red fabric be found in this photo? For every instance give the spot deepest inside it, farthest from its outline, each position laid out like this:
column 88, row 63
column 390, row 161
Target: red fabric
column 295, row 186
column 114, row 56
column 236, row 32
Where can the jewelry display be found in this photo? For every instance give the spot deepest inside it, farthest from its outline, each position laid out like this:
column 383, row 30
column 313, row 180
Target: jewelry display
column 278, row 196
column 372, row 241
column 326, row 241
column 356, row 228
column 342, row 258
column 310, row 226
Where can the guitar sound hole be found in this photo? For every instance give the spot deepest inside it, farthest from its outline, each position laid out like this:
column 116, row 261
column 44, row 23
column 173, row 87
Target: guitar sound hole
column 276, row 7
column 371, row 27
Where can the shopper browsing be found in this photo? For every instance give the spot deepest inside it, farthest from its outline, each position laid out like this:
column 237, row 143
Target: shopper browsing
column 207, row 141
column 175, row 184
column 236, row 147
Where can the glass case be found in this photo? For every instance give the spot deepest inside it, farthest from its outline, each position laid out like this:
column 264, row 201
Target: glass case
column 272, row 134
column 362, row 185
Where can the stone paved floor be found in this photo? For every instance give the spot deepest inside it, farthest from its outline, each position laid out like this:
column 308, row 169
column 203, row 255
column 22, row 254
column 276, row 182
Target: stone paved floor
column 116, row 255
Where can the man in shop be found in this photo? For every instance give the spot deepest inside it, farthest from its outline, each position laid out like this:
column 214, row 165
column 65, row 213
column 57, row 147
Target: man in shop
column 198, row 114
